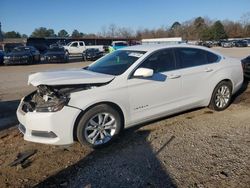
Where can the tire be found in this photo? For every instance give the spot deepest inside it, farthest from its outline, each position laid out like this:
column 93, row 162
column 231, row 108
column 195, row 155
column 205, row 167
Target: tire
column 32, row 60
column 39, row 59
column 221, row 97
column 66, row 59
column 97, row 134
column 84, row 58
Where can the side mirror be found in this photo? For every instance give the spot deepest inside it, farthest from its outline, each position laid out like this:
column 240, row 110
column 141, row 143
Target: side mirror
column 143, row 72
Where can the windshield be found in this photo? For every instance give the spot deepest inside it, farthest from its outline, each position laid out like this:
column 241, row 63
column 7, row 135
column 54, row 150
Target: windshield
column 116, row 63
column 120, row 44
column 21, row 49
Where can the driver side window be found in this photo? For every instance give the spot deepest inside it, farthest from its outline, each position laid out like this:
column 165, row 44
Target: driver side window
column 160, row 61
column 74, row 44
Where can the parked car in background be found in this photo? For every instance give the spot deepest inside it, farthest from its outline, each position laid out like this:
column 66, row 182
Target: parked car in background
column 41, row 47
column 227, row 44
column 78, row 47
column 22, row 55
column 125, row 88
column 92, row 54
column 240, row 43
column 248, row 42
column 119, row 44
column 246, row 66
column 106, row 48
column 207, row 44
column 56, row 55
column 1, row 57
column 58, row 44
column 10, row 46
column 75, row 47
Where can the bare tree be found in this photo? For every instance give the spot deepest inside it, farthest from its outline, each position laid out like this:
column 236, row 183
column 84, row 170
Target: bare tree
column 233, row 29
column 245, row 19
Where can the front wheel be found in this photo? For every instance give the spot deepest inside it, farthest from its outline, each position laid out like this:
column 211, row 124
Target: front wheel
column 99, row 126
column 221, row 96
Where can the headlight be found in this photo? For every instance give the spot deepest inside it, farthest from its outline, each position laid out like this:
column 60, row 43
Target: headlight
column 25, row 57
column 52, row 106
column 35, row 102
column 6, row 57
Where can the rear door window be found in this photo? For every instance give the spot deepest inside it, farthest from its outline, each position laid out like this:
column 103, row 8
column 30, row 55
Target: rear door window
column 191, row 57
column 212, row 58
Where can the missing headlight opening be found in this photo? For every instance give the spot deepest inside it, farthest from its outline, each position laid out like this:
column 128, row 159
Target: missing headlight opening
column 51, row 98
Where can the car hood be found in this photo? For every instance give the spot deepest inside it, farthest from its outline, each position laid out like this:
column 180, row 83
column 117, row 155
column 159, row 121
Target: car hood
column 68, row 77
column 11, row 54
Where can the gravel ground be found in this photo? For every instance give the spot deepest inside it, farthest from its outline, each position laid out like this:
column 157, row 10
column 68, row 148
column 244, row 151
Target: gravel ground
column 199, row 148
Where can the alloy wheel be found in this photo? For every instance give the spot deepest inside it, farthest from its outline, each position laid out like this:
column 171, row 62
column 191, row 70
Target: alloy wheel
column 100, row 128
column 222, row 96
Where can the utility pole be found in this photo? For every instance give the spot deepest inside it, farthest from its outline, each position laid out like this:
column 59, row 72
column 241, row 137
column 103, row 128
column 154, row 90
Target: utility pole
column 1, row 34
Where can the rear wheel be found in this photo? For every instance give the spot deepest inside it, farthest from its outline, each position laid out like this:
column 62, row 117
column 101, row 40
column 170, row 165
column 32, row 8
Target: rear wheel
column 99, row 126
column 221, row 97
column 84, row 58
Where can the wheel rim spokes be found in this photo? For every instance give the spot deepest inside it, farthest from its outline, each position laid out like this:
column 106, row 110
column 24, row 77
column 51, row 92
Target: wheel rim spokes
column 100, row 128
column 222, row 96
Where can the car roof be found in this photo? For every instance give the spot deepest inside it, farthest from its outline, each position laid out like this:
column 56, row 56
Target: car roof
column 154, row 47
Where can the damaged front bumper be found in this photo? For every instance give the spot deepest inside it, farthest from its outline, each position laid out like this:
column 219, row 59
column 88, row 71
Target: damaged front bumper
column 48, row 127
column 45, row 116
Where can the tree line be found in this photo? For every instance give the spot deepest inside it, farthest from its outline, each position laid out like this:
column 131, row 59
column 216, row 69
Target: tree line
column 200, row 28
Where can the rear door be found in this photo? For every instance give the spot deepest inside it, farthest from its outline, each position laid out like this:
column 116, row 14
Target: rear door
column 81, row 47
column 196, row 67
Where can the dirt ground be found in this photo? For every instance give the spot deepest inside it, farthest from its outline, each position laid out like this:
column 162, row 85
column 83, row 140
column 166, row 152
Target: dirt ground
column 199, row 148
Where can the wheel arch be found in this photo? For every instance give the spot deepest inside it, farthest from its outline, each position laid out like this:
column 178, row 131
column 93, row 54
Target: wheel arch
column 112, row 104
column 221, row 80
column 225, row 80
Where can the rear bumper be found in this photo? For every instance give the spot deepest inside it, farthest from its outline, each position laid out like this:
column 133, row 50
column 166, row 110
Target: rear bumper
column 48, row 127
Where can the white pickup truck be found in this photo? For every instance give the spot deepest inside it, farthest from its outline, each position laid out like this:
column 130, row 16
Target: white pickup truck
column 78, row 47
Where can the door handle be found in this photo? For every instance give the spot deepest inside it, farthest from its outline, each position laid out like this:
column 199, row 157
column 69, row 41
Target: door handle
column 174, row 76
column 208, row 70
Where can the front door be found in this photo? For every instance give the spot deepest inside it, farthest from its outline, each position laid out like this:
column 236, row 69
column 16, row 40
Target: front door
column 152, row 97
column 74, row 48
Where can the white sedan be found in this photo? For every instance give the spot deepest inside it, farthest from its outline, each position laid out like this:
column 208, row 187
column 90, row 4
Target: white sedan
column 127, row 87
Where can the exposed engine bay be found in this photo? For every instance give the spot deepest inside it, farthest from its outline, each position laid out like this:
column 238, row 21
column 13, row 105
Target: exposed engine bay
column 52, row 98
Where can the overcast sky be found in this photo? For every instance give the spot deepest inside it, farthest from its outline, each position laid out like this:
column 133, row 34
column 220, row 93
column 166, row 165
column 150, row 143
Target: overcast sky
column 89, row 16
